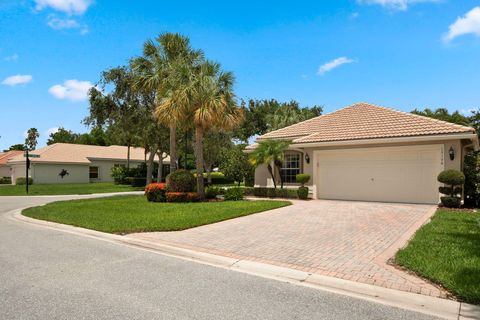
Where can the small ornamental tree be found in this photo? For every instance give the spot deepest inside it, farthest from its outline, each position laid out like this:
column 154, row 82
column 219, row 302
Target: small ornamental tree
column 302, row 179
column 181, row 181
column 453, row 181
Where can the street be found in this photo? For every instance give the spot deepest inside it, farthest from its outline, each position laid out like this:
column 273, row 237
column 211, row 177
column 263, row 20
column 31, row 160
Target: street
column 49, row 274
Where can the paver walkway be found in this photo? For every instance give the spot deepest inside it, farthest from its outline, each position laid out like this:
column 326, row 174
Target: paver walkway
column 344, row 239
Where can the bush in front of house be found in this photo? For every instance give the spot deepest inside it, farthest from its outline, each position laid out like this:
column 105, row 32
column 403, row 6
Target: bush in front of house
column 212, row 192
column 264, row 192
column 155, row 192
column 120, row 175
column 23, row 181
column 453, row 181
column 234, row 194
column 181, row 181
column 5, row 180
column 182, row 196
column 138, row 182
column 471, row 169
column 218, row 178
column 302, row 192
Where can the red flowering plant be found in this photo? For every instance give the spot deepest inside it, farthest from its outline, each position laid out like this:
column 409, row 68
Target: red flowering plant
column 155, row 192
column 182, row 197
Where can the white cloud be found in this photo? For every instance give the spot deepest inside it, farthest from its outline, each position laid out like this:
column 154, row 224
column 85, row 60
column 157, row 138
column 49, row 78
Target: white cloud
column 395, row 4
column 17, row 79
column 71, row 7
column 13, row 57
column 73, row 90
column 51, row 131
column 59, row 24
column 333, row 64
column 469, row 23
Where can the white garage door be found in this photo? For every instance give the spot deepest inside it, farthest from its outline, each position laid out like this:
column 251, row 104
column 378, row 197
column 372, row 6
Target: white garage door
column 393, row 174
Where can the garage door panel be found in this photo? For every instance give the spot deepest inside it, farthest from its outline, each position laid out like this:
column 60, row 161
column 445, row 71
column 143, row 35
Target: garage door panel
column 396, row 174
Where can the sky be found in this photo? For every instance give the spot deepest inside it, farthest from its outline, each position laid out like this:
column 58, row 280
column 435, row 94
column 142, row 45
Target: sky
column 402, row 54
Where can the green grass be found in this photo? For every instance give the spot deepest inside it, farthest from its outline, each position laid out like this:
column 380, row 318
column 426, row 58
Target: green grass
column 62, row 189
column 127, row 214
column 447, row 251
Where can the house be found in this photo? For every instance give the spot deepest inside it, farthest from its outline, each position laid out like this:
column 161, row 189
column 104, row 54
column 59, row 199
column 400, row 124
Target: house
column 4, row 157
column 76, row 163
column 370, row 153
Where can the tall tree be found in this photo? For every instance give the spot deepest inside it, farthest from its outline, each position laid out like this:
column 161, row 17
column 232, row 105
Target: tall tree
column 215, row 144
column 444, row 115
column 270, row 153
column 158, row 71
column 62, row 136
column 17, row 147
column 235, row 164
column 31, row 140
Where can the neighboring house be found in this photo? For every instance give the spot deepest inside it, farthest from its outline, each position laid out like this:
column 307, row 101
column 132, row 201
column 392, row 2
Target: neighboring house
column 371, row 153
column 4, row 157
column 76, row 163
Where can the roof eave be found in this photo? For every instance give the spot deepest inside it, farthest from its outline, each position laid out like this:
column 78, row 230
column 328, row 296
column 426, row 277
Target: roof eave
column 469, row 136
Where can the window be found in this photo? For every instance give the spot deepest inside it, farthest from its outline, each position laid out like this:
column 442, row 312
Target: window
column 93, row 172
column 290, row 168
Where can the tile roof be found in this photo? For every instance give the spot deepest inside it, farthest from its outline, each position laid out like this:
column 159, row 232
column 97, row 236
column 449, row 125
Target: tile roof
column 83, row 154
column 4, row 157
column 364, row 121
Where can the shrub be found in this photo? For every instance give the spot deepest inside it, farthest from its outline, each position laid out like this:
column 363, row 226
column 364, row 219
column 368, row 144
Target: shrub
column 212, row 192
column 218, row 178
column 302, row 178
column 274, row 193
column 271, row 192
column 155, row 192
column 5, row 180
column 248, row 191
column 302, row 193
column 181, row 181
column 471, row 169
column 450, row 202
column 182, row 197
column 22, row 181
column 119, row 175
column 137, row 181
column 260, row 192
column 453, row 180
column 234, row 194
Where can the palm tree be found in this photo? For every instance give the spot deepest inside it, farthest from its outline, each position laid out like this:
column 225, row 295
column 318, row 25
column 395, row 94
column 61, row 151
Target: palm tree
column 271, row 153
column 158, row 71
column 206, row 100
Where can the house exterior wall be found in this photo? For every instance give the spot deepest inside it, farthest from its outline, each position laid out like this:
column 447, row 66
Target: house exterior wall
column 105, row 168
column 49, row 173
column 262, row 177
column 4, row 171
column 16, row 171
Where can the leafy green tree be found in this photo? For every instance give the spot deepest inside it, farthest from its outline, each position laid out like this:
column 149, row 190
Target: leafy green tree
column 270, row 153
column 31, row 140
column 18, row 147
column 215, row 143
column 444, row 115
column 62, row 136
column 235, row 163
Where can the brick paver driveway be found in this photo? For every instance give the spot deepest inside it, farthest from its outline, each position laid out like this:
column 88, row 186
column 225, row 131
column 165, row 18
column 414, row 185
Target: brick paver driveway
column 344, row 239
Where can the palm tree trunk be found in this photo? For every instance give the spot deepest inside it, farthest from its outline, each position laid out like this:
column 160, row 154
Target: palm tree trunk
column 173, row 148
column 160, row 167
column 151, row 157
column 270, row 170
column 199, row 160
column 128, row 156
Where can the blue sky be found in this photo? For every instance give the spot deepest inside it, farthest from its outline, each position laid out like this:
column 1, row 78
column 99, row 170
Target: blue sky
column 398, row 53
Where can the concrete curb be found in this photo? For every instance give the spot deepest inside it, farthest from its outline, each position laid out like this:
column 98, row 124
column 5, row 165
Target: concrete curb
column 447, row 309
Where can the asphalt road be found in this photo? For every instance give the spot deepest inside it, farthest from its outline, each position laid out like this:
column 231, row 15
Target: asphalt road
column 49, row 274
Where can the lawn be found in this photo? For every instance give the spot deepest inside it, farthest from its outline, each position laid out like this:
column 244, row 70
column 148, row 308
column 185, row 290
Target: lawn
column 447, row 251
column 128, row 214
column 63, row 189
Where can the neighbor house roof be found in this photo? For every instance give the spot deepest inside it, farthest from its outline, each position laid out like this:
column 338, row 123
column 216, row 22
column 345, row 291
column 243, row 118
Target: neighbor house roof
column 83, row 154
column 4, row 157
column 364, row 121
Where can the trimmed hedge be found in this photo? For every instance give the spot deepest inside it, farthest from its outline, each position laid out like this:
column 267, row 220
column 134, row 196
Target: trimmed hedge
column 5, row 180
column 218, row 178
column 212, row 192
column 452, row 190
column 275, row 193
column 137, row 182
column 234, row 194
column 155, row 192
column 182, row 197
column 23, row 181
column 181, row 181
column 302, row 193
column 451, row 177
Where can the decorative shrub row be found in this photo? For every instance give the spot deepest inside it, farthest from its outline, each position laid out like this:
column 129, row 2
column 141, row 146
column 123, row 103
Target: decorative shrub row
column 5, row 180
column 182, row 196
column 155, row 192
column 218, row 178
column 234, row 194
column 275, row 193
column 23, row 181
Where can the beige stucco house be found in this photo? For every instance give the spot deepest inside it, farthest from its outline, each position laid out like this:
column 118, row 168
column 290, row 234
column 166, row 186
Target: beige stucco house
column 82, row 163
column 370, row 153
column 4, row 157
